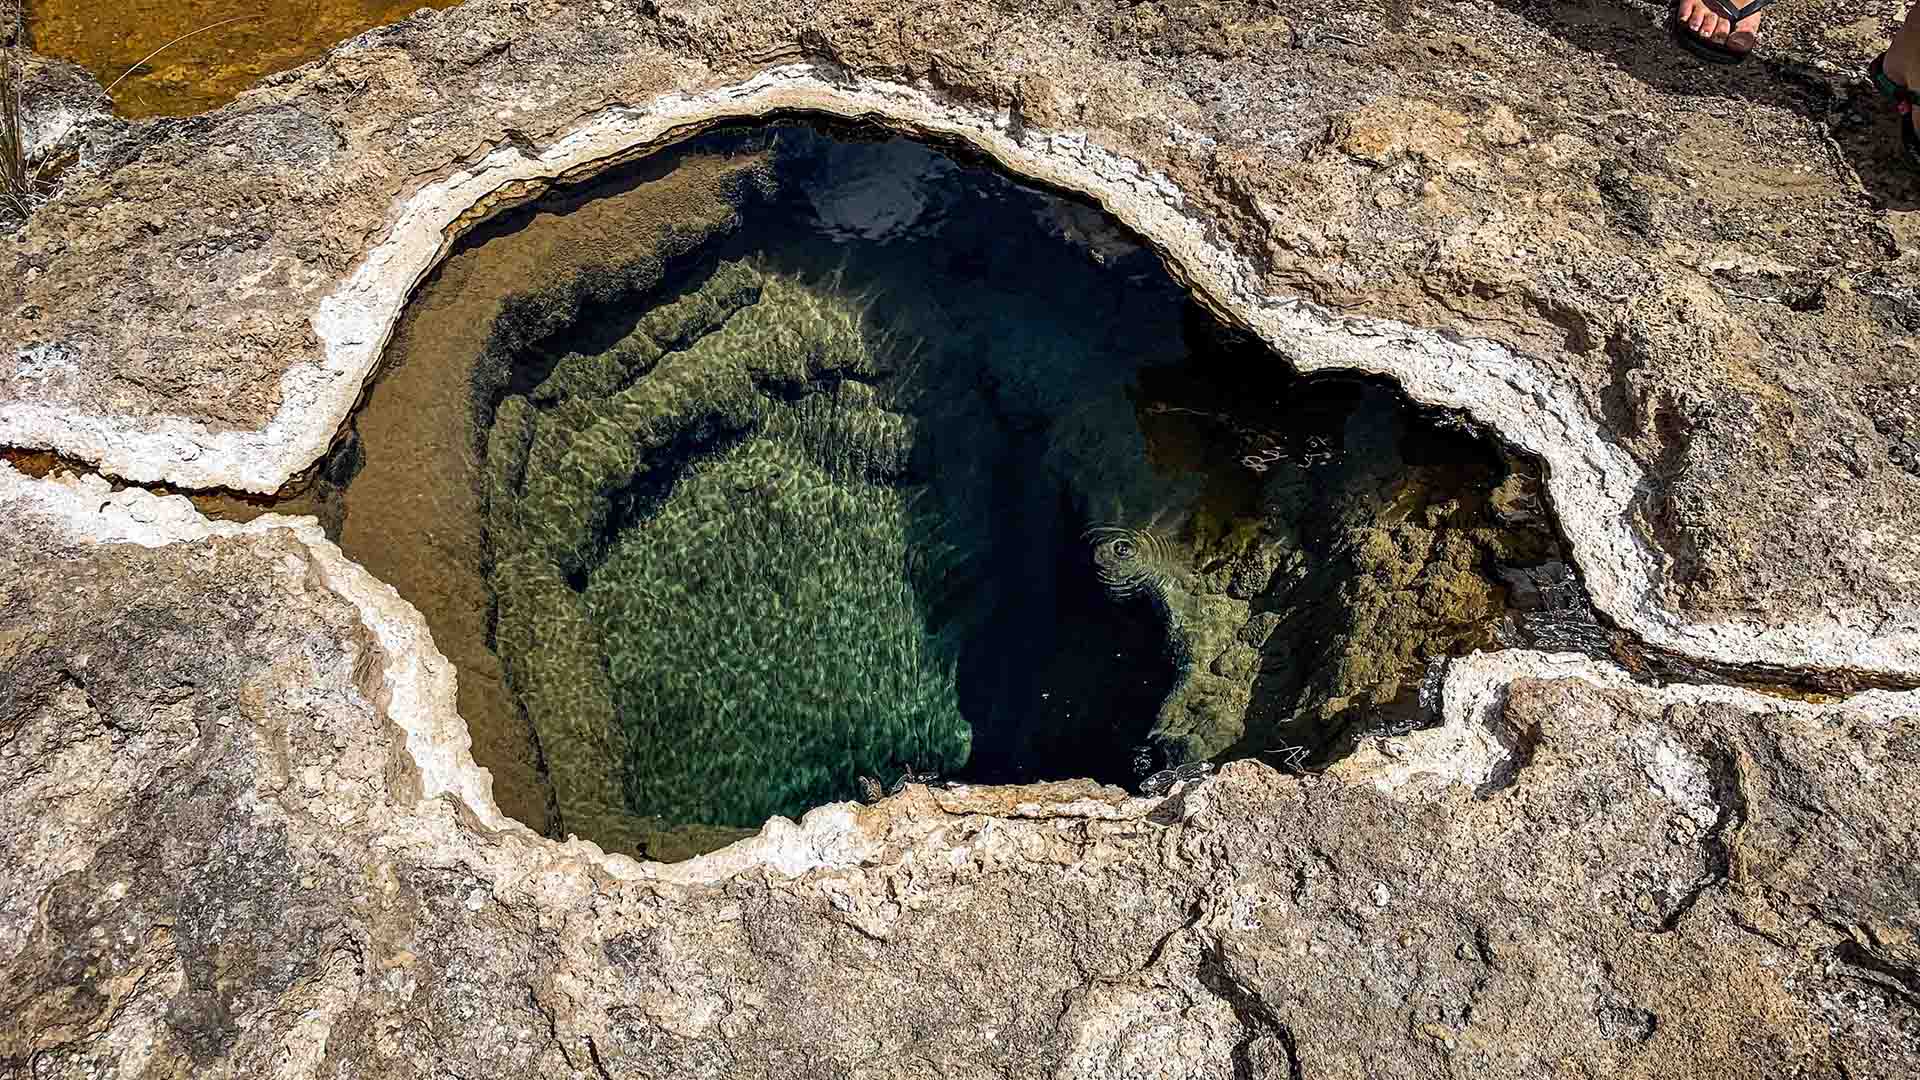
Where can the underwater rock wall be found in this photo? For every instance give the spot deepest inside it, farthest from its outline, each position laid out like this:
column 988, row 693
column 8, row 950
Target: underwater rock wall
column 413, row 508
column 1401, row 571
column 1309, row 595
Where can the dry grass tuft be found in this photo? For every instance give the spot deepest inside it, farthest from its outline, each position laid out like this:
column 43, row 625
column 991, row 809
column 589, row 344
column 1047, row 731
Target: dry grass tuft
column 20, row 185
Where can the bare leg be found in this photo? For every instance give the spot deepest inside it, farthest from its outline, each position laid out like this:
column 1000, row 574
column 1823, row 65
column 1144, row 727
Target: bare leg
column 1903, row 59
column 1713, row 26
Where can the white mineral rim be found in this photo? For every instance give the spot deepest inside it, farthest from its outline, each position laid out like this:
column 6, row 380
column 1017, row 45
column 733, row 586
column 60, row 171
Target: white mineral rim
column 1470, row 748
column 415, row 693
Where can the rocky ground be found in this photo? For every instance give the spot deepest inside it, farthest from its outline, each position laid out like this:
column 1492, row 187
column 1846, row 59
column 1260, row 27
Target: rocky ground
column 242, row 833
column 243, row 838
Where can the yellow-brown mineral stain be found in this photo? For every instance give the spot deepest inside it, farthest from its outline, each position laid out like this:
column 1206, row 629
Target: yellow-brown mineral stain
column 211, row 60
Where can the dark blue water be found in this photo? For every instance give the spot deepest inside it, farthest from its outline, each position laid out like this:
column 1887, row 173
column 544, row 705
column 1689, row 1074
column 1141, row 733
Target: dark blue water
column 914, row 469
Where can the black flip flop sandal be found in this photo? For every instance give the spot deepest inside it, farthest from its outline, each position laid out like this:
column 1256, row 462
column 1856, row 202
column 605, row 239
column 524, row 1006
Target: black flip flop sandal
column 1906, row 100
column 1711, row 51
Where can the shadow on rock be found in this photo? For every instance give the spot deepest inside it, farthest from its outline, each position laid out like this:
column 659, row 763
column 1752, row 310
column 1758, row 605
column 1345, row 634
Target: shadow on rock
column 1633, row 37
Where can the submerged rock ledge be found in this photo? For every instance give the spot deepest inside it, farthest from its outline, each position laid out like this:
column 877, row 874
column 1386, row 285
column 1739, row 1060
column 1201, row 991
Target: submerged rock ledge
column 243, row 837
column 1820, row 578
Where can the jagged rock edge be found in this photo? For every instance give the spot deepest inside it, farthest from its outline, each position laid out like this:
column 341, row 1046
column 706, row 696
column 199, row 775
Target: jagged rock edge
column 1466, row 749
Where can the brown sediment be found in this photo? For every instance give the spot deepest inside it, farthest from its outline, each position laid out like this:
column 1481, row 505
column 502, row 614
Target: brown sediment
column 35, row 463
column 206, row 69
column 304, row 495
column 414, row 516
column 306, row 498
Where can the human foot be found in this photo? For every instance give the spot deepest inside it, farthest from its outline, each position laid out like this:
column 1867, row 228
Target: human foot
column 1709, row 26
column 1895, row 83
column 1894, row 62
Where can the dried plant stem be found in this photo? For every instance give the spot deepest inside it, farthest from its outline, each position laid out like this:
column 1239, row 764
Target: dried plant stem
column 171, row 44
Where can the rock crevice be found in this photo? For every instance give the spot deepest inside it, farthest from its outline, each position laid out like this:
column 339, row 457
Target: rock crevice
column 241, row 833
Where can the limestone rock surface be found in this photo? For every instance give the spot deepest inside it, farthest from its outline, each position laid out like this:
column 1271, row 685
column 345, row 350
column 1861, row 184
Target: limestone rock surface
column 242, row 837
column 240, row 830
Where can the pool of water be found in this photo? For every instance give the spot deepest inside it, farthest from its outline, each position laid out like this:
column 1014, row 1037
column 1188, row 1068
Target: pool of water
column 801, row 459
column 178, row 57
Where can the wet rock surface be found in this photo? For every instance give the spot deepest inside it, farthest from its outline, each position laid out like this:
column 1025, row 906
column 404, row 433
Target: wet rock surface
column 238, row 843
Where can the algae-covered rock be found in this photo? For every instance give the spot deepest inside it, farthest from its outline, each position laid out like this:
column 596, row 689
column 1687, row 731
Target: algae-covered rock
column 1393, row 577
column 714, row 388
column 661, row 330
column 1309, row 606
column 763, row 638
column 705, row 562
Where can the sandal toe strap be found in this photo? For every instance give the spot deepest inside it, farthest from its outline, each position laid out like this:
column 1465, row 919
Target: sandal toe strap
column 1733, row 12
column 1903, row 97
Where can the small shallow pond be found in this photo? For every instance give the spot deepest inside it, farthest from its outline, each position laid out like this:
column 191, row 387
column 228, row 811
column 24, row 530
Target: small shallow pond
column 179, row 57
column 799, row 459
